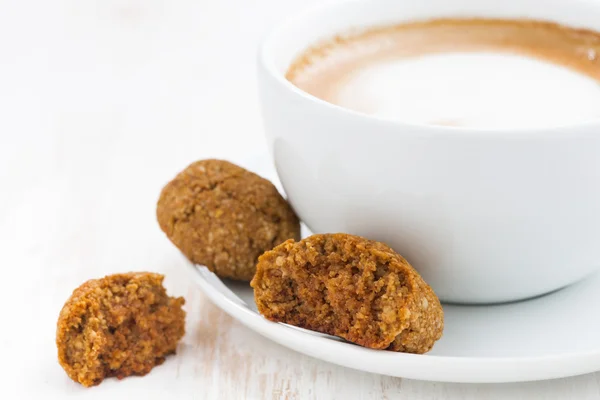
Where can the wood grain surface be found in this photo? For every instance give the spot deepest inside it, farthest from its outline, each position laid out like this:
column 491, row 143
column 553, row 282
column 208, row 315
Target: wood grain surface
column 102, row 103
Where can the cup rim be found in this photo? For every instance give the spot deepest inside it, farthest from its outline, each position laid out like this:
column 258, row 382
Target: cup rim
column 266, row 61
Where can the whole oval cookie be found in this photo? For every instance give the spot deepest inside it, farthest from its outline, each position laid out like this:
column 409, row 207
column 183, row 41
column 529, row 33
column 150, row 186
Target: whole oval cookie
column 120, row 325
column 224, row 217
column 348, row 286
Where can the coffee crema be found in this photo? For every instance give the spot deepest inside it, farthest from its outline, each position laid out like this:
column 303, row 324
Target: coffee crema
column 485, row 73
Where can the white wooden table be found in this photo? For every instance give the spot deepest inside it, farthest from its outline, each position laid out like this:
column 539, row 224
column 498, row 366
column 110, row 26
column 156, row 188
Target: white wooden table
column 101, row 103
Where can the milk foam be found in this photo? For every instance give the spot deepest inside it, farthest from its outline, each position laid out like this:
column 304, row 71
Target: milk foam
column 475, row 89
column 484, row 73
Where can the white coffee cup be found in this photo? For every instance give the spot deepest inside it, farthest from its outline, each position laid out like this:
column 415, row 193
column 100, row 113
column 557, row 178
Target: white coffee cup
column 485, row 215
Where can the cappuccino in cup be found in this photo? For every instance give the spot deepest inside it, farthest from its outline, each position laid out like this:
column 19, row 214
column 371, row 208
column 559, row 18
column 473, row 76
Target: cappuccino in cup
column 481, row 73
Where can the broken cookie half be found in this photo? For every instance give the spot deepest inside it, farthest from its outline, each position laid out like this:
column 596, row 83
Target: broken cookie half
column 120, row 325
column 351, row 287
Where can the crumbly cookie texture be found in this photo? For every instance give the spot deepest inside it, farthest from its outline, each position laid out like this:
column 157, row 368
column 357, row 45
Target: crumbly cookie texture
column 118, row 326
column 224, row 217
column 351, row 287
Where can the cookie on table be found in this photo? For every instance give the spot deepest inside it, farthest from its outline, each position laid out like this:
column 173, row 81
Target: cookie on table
column 351, row 287
column 224, row 217
column 117, row 326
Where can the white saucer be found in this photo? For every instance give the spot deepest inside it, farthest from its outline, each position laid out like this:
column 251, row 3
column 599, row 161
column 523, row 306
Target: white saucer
column 553, row 336
column 548, row 337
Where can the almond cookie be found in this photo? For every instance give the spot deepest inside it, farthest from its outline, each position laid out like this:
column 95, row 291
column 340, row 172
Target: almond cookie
column 119, row 325
column 224, row 217
column 351, row 287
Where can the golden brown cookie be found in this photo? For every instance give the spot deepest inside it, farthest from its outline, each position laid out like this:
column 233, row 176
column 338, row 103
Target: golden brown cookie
column 120, row 325
column 223, row 216
column 348, row 286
